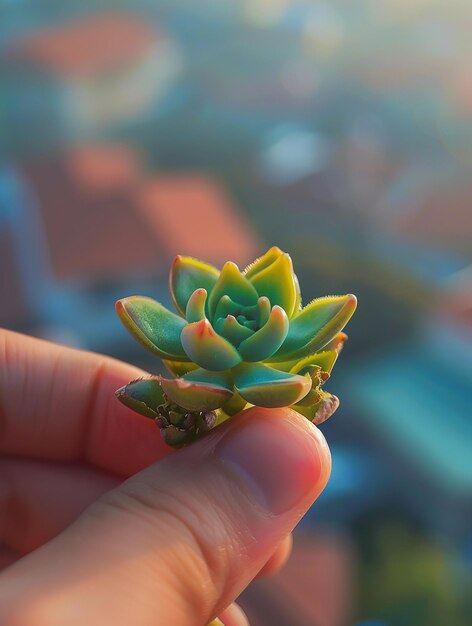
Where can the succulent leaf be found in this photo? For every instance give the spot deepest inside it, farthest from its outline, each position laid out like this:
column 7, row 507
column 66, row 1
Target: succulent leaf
column 221, row 379
column 268, row 339
column 233, row 284
column 186, row 275
column 208, row 349
column 316, row 325
column 232, row 330
column 179, row 368
column 336, row 343
column 195, row 310
column 143, row 396
column 298, row 296
column 199, row 390
column 226, row 306
column 153, row 325
column 263, row 261
column 259, row 312
column 322, row 410
column 235, row 404
column 240, row 338
column 263, row 304
column 325, row 360
column 277, row 282
column 317, row 377
column 265, row 386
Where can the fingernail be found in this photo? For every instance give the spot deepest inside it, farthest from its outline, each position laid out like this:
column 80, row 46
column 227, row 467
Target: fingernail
column 280, row 459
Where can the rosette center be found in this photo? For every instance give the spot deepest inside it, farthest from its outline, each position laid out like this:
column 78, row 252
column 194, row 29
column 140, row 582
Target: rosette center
column 237, row 322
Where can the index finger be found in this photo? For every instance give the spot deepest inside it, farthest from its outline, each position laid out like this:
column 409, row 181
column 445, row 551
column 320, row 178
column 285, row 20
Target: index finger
column 58, row 403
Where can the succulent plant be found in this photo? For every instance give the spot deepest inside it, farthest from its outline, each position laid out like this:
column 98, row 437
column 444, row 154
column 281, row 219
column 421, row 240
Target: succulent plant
column 237, row 339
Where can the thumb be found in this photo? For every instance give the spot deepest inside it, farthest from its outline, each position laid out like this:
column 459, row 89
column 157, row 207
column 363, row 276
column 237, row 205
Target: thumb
column 177, row 543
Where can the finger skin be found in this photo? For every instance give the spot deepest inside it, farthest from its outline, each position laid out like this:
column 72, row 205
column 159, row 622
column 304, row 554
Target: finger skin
column 279, row 558
column 21, row 354
column 58, row 403
column 179, row 541
column 39, row 499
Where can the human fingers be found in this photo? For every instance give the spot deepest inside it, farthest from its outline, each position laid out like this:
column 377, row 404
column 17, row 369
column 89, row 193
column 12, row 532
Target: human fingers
column 278, row 559
column 38, row 499
column 179, row 541
column 58, row 403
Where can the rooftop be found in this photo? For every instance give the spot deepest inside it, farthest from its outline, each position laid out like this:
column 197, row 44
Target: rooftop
column 87, row 46
column 106, row 218
column 91, row 232
column 193, row 215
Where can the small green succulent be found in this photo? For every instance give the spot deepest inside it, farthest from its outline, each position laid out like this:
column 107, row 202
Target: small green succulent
column 238, row 339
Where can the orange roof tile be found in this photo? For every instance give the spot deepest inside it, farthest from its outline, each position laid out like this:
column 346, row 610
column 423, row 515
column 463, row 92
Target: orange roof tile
column 91, row 235
column 102, row 167
column 103, row 220
column 89, row 45
column 191, row 214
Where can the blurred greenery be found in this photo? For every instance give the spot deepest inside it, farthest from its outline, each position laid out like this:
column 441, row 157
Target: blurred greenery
column 408, row 579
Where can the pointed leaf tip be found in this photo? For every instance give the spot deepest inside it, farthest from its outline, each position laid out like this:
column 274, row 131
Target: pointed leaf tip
column 263, row 261
column 143, row 395
column 229, row 328
column 205, row 347
column 268, row 339
column 277, row 282
column 195, row 310
column 233, row 284
column 316, row 325
column 186, row 275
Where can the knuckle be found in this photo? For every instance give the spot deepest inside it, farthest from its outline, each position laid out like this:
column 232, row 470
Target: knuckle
column 195, row 537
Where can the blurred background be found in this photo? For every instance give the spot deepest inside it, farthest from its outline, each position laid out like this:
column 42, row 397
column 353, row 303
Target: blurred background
column 341, row 131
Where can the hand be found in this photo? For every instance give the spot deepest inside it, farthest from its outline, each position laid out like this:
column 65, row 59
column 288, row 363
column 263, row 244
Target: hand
column 175, row 543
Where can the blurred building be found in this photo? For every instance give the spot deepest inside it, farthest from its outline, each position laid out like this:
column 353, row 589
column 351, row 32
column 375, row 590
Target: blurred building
column 90, row 225
column 83, row 77
column 430, row 205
